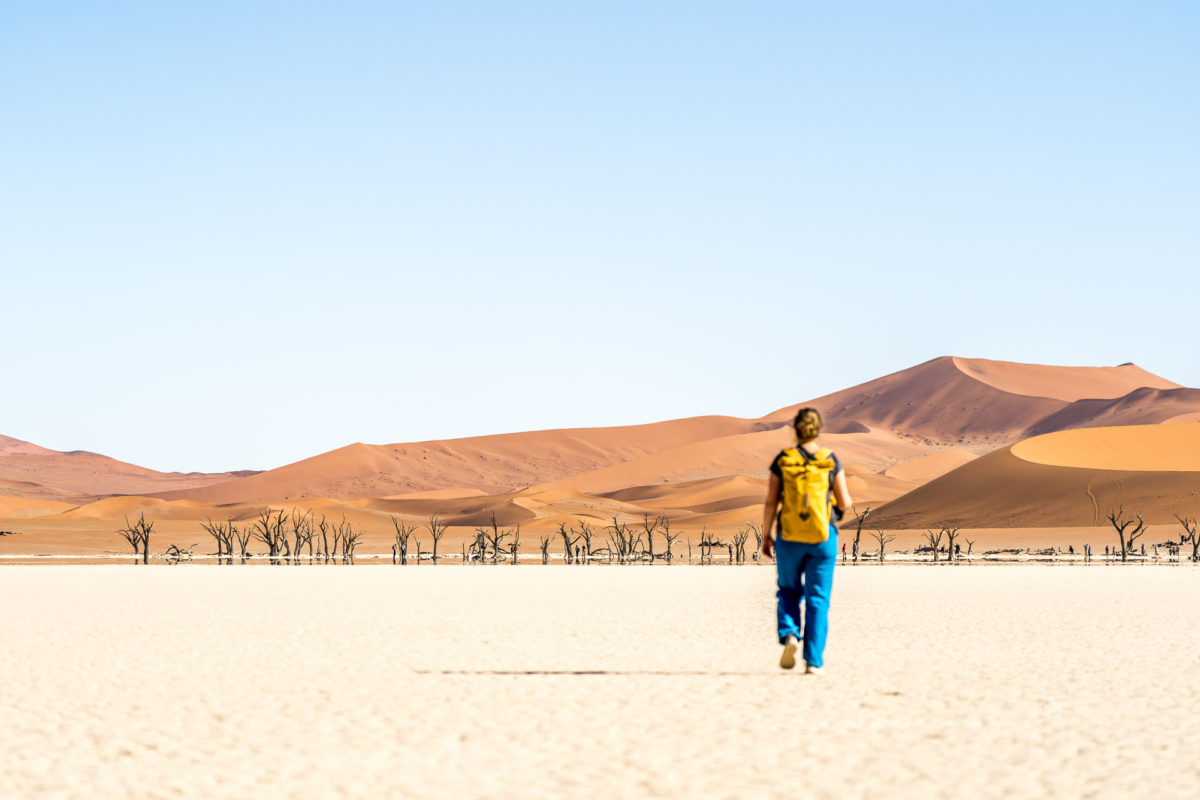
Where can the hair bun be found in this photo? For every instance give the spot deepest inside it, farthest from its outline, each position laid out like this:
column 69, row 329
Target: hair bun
column 807, row 424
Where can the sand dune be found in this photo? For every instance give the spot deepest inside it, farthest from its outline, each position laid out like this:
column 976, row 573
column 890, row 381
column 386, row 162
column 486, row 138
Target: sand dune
column 82, row 476
column 1139, row 407
column 1173, row 448
column 1158, row 476
column 978, row 402
column 934, row 465
column 908, row 440
column 15, row 507
column 1061, row 383
column 488, row 464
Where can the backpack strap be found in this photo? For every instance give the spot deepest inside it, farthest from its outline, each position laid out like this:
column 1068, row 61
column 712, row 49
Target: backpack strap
column 821, row 455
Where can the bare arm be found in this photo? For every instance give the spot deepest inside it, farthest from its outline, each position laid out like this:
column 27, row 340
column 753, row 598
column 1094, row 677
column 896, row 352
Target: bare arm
column 770, row 510
column 842, row 493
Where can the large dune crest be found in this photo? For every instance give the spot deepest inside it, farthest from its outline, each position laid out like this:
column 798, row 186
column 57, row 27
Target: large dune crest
column 1069, row 478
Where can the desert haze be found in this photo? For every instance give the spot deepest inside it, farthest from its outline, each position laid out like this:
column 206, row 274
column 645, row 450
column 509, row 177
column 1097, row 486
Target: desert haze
column 1035, row 455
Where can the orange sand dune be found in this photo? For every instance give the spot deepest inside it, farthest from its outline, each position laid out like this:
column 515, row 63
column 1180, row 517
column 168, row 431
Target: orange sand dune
column 13, row 507
column 974, row 402
column 489, row 464
column 1139, row 407
column 83, row 476
column 868, row 488
column 1159, row 477
column 883, row 423
column 934, row 465
column 893, row 433
column 1174, row 448
column 1061, row 383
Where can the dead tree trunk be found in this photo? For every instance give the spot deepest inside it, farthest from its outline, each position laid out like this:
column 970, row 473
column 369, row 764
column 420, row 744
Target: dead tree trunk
column 544, row 546
column 437, row 530
column 739, row 544
column 670, row 539
column 403, row 532
column 934, row 540
column 951, row 535
column 1191, row 528
column 568, row 542
column 649, row 526
column 859, row 520
column 138, row 535
column 1128, row 531
column 584, row 533
column 758, row 537
column 883, row 540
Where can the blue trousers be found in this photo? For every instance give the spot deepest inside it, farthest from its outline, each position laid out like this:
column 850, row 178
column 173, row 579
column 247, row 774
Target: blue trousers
column 805, row 573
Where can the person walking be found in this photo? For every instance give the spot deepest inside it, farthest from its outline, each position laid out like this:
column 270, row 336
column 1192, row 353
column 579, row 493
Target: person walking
column 806, row 492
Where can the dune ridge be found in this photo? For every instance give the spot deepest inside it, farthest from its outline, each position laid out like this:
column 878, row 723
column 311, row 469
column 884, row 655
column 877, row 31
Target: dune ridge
column 946, row 438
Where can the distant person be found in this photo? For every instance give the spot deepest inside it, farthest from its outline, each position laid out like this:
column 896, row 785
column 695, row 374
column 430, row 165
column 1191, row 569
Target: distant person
column 806, row 492
column 1070, row 549
column 843, row 552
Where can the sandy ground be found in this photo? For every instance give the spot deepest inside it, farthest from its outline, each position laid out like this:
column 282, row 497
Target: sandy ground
column 376, row 681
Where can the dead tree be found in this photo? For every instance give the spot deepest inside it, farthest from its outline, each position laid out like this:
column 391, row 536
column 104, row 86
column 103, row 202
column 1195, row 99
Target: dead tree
column 584, row 533
column 970, row 545
column 478, row 545
column 516, row 542
column 494, row 539
column 1190, row 527
column 340, row 533
column 739, row 544
column 350, row 540
column 934, row 540
column 951, row 535
column 175, row 554
column 302, row 530
column 670, row 539
column 1128, row 530
column 859, row 521
column 242, row 536
column 400, row 546
column 757, row 532
column 217, row 531
column 623, row 540
column 707, row 542
column 883, row 539
column 437, row 529
column 323, row 528
column 138, row 535
column 567, row 540
column 269, row 529
column 649, row 526
column 544, row 546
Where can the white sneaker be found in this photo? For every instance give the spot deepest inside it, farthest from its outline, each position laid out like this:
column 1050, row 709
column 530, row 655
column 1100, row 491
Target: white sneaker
column 809, row 669
column 788, row 659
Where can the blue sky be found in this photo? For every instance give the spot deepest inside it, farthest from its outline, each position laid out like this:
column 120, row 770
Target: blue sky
column 233, row 235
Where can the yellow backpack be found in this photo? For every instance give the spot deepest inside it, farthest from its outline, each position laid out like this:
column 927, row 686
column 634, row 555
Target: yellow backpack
column 807, row 500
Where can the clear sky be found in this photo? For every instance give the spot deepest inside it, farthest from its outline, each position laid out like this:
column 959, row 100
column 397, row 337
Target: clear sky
column 233, row 235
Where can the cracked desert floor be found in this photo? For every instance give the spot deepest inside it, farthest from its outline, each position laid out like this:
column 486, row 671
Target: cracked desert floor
column 375, row 681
